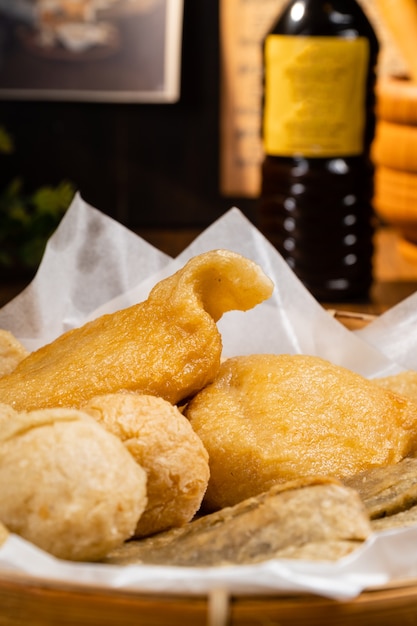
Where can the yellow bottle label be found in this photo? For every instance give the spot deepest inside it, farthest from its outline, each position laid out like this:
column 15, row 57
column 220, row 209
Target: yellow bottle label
column 315, row 92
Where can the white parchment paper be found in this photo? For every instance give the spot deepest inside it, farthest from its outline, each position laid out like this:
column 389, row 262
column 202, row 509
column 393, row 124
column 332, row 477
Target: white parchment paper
column 93, row 265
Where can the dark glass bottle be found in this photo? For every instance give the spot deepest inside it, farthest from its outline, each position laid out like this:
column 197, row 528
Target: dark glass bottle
column 318, row 125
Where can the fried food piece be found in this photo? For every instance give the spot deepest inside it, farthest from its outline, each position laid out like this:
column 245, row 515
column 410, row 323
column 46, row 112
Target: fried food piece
column 402, row 519
column 316, row 515
column 332, row 550
column 167, row 346
column 11, row 352
column 4, row 533
column 67, row 485
column 389, row 494
column 268, row 419
column 388, row 490
column 404, row 383
column 6, row 412
column 163, row 442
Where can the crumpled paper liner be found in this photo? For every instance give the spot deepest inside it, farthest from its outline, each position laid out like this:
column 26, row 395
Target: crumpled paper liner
column 93, row 265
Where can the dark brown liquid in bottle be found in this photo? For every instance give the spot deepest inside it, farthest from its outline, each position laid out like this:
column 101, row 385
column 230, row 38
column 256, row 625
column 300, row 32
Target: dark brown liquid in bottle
column 318, row 211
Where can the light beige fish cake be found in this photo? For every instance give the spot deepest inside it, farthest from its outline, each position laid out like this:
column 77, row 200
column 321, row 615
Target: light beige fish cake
column 268, row 419
column 11, row 352
column 163, row 442
column 67, row 485
column 387, row 491
column 167, row 346
column 314, row 518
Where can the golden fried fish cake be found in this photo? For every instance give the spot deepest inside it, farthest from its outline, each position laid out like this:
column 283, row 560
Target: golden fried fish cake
column 163, row 442
column 404, row 383
column 167, row 346
column 4, row 533
column 268, row 419
column 67, row 485
column 11, row 352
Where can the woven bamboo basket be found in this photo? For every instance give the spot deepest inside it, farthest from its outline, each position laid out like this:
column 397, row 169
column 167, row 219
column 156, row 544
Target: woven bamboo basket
column 25, row 600
column 43, row 603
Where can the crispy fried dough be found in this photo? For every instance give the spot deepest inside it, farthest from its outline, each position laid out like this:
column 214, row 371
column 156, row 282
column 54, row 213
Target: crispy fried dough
column 168, row 346
column 67, row 484
column 11, row 352
column 404, row 383
column 316, row 516
column 163, row 442
column 272, row 418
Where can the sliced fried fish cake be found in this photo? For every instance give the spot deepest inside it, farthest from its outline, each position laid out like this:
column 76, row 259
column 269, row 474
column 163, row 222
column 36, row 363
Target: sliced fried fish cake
column 316, row 516
column 168, row 346
column 387, row 490
column 402, row 519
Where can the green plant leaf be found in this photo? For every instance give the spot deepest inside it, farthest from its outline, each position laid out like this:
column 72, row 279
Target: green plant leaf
column 28, row 220
column 53, row 201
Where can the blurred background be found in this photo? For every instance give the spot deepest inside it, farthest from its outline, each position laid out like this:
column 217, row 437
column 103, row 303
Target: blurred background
column 147, row 165
column 152, row 166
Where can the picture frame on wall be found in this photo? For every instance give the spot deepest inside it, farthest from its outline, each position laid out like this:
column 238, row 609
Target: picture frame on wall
column 91, row 50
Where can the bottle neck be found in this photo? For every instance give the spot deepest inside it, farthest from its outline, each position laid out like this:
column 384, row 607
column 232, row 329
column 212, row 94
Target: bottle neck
column 340, row 18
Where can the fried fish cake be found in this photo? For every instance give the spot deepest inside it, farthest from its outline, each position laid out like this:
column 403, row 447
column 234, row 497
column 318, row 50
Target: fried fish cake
column 11, row 352
column 311, row 518
column 268, row 419
column 67, row 485
column 404, row 383
column 4, row 533
column 163, row 442
column 167, row 346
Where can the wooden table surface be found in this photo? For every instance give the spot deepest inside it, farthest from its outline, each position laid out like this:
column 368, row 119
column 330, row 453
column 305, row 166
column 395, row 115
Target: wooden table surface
column 395, row 273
